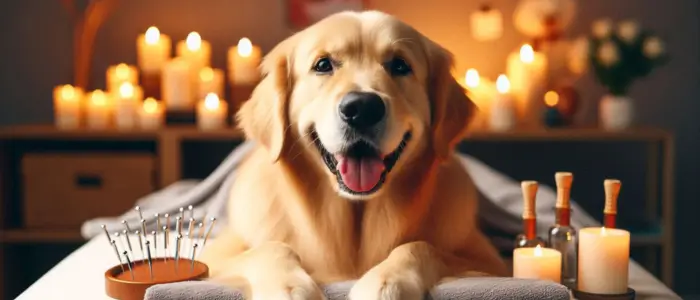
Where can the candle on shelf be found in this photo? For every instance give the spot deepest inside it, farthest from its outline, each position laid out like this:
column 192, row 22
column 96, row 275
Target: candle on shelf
column 552, row 116
column 480, row 91
column 537, row 263
column 99, row 110
column 126, row 104
column 527, row 71
column 502, row 109
column 196, row 51
column 210, row 81
column 153, row 50
column 603, row 262
column 211, row 113
column 151, row 114
column 121, row 73
column 243, row 62
column 176, row 86
column 67, row 101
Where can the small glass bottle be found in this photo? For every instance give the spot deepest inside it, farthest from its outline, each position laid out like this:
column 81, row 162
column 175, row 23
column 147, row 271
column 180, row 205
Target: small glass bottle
column 528, row 238
column 562, row 236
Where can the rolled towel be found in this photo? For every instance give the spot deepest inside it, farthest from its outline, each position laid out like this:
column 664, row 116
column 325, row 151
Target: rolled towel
column 483, row 288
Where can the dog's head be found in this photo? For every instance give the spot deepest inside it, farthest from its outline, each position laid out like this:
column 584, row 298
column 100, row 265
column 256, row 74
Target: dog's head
column 364, row 95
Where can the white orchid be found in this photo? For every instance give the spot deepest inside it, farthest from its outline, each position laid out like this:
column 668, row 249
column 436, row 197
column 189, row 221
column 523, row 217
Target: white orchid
column 602, row 28
column 653, row 47
column 628, row 31
column 608, row 54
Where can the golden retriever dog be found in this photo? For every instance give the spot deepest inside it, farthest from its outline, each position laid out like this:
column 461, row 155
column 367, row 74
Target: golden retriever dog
column 353, row 175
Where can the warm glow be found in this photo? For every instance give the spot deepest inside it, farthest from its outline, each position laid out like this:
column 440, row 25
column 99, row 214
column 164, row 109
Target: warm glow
column 211, row 101
column 98, row 98
column 502, row 84
column 194, row 41
column 538, row 251
column 122, row 71
column 150, row 105
column 126, row 90
column 602, row 231
column 68, row 92
column 152, row 35
column 245, row 47
column 551, row 98
column 472, row 78
column 527, row 54
column 206, row 74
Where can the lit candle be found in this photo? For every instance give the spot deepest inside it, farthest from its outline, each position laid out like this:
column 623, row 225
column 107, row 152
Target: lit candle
column 243, row 62
column 176, row 86
column 527, row 71
column 196, row 51
column 502, row 109
column 552, row 116
column 537, row 263
column 153, row 50
column 210, row 81
column 479, row 92
column 126, row 104
column 67, row 101
column 151, row 114
column 121, row 73
column 99, row 110
column 211, row 113
column 603, row 264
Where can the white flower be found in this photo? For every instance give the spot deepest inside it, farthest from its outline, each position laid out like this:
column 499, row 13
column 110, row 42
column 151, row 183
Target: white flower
column 628, row 31
column 578, row 56
column 602, row 28
column 653, row 47
column 608, row 54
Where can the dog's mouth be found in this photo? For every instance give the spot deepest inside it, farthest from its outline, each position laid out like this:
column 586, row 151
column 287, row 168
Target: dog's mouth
column 360, row 168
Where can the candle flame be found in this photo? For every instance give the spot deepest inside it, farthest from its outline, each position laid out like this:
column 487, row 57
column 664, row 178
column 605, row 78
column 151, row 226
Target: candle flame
column 471, row 78
column 245, row 47
column 194, row 41
column 527, row 54
column 98, row 98
column 206, row 74
column 152, row 35
column 211, row 101
column 122, row 71
column 150, row 105
column 551, row 98
column 67, row 92
column 538, row 251
column 126, row 90
column 502, row 84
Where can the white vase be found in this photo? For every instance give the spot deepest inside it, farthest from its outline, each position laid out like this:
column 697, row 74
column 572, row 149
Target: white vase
column 616, row 112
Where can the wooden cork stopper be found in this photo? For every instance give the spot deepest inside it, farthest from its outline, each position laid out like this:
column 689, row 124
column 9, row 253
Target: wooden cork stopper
column 529, row 194
column 564, row 181
column 612, row 190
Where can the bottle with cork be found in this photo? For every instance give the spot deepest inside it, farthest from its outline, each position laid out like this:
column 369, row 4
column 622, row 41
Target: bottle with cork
column 612, row 191
column 562, row 236
column 528, row 238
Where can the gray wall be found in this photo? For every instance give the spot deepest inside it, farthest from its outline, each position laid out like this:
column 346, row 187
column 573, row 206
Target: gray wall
column 36, row 55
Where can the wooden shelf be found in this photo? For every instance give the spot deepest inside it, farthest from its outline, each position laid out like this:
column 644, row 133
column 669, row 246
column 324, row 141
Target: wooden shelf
column 17, row 236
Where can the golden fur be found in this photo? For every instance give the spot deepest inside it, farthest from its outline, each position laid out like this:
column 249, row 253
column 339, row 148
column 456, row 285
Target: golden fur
column 290, row 228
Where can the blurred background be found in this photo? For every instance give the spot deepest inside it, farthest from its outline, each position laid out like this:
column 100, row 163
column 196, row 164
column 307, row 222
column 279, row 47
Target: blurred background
column 652, row 147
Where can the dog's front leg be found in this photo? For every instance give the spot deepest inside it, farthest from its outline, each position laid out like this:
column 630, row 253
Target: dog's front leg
column 269, row 271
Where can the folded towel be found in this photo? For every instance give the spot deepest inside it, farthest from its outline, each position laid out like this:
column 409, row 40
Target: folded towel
column 482, row 288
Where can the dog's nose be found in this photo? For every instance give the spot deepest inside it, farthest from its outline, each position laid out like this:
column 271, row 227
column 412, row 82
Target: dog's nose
column 361, row 109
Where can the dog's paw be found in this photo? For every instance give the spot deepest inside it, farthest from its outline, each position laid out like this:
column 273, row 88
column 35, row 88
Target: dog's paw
column 379, row 285
column 294, row 286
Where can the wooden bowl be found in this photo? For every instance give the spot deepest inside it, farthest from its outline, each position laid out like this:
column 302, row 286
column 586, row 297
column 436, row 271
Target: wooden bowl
column 120, row 285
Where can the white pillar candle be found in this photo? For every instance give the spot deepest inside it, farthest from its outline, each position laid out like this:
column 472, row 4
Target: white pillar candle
column 121, row 73
column 243, row 62
column 211, row 113
column 126, row 104
column 153, row 50
column 537, row 263
column 197, row 52
column 151, row 114
column 176, row 87
column 210, row 81
column 502, row 110
column 98, row 110
column 527, row 71
column 603, row 260
column 481, row 91
column 67, row 101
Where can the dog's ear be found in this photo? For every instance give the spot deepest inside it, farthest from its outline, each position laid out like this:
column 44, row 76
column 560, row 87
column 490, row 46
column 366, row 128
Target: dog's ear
column 264, row 117
column 451, row 109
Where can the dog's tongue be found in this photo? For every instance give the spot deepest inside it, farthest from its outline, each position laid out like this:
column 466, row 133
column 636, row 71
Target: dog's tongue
column 360, row 174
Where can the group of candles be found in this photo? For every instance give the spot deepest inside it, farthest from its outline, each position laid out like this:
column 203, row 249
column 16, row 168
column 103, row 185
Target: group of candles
column 186, row 82
column 593, row 260
column 516, row 96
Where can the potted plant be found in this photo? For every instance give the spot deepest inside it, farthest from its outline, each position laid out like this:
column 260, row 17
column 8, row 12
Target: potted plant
column 618, row 55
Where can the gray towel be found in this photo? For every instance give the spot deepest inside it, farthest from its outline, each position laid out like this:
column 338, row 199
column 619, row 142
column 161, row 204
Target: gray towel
column 463, row 289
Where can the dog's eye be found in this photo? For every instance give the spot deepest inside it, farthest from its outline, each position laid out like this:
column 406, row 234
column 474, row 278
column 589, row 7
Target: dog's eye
column 323, row 65
column 398, row 67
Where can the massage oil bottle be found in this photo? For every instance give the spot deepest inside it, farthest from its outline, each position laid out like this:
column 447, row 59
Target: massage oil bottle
column 562, row 236
column 529, row 238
